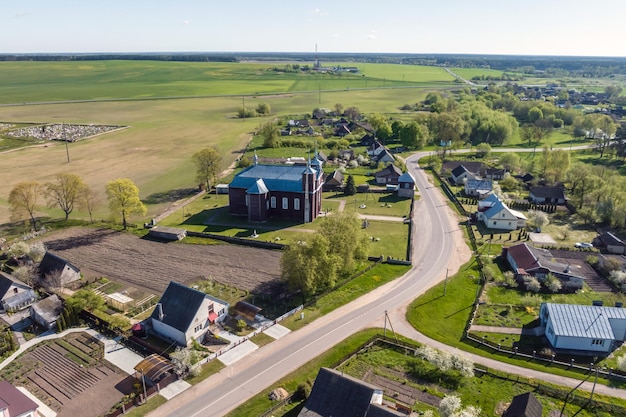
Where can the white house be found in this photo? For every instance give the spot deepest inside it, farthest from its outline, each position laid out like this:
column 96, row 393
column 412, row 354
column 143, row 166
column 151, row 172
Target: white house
column 14, row 294
column 588, row 330
column 184, row 313
column 406, row 185
column 460, row 173
column 496, row 215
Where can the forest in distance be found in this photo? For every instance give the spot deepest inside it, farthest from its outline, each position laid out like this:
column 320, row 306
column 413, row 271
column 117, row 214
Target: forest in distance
column 586, row 66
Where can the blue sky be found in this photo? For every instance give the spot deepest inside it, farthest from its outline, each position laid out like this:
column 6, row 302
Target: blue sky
column 532, row 27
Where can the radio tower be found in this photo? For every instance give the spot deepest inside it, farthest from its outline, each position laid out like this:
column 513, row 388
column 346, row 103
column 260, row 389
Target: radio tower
column 316, row 65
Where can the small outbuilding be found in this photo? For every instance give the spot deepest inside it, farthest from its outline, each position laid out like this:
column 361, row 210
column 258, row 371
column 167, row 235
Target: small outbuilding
column 247, row 310
column 406, row 185
column 524, row 405
column 119, row 301
column 167, row 233
column 154, row 368
column 52, row 264
column 46, row 312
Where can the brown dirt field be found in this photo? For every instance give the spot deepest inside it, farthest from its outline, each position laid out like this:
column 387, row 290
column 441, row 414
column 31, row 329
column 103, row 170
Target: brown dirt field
column 152, row 265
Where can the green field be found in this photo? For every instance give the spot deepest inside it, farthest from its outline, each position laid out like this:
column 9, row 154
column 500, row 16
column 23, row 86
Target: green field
column 155, row 150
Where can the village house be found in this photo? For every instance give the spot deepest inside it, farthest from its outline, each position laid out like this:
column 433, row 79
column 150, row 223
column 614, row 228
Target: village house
column 460, row 174
column 337, row 394
column 54, row 266
column 583, row 329
column 478, row 188
column 610, row 243
column 384, row 157
column 286, row 191
column 334, row 181
column 526, row 260
column 524, row 405
column 14, row 294
column 14, row 403
column 494, row 174
column 388, row 175
column 494, row 214
column 547, row 195
column 184, row 313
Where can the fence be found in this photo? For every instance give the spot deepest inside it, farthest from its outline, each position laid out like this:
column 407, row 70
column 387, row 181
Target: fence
column 238, row 240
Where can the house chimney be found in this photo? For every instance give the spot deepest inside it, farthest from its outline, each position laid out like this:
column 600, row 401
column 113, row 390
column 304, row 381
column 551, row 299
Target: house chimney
column 159, row 307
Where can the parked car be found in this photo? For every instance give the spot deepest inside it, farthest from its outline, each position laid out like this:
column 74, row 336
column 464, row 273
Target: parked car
column 583, row 245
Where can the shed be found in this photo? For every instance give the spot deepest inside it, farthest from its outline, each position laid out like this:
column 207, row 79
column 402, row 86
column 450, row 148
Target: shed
column 221, row 188
column 167, row 233
column 119, row 301
column 52, row 264
column 47, row 311
column 524, row 405
column 247, row 310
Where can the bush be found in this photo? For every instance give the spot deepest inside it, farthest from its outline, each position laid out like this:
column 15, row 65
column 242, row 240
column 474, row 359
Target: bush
column 532, row 284
column 552, row 283
column 244, row 162
column 303, row 391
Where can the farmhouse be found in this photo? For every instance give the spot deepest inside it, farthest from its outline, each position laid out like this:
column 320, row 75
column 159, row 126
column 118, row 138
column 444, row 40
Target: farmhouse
column 388, row 175
column 14, row 294
column 494, row 174
column 526, row 260
column 583, row 329
column 286, row 191
column 547, row 195
column 460, row 173
column 51, row 265
column 336, row 394
column 496, row 215
column 14, row 403
column 384, row 157
column 184, row 313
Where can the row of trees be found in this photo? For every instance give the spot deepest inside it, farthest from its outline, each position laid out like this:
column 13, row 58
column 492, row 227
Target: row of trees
column 69, row 191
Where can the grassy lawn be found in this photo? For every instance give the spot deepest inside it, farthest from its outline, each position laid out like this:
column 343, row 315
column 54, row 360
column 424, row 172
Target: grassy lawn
column 504, row 315
column 375, row 277
column 444, row 318
column 208, row 369
column 375, row 204
column 152, row 404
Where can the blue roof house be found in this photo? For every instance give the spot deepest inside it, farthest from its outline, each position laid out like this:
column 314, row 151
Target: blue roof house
column 286, row 191
column 583, row 329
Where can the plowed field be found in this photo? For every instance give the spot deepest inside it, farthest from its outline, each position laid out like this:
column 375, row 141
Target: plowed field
column 152, row 265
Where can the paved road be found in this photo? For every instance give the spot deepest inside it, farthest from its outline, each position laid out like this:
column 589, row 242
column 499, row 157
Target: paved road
column 235, row 384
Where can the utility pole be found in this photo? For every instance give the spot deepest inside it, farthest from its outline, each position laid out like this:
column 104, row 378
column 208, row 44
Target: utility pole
column 243, row 108
column 67, row 149
column 445, row 283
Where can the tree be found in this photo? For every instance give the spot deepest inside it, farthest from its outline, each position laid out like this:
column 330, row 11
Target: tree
column 185, row 362
column 309, row 265
column 23, row 200
column 537, row 218
column 339, row 109
column 510, row 161
column 347, row 238
column 66, row 191
column 449, row 405
column 123, row 196
column 90, row 200
column 208, row 163
column 352, row 113
column 413, row 135
column 535, row 114
column 483, row 150
column 552, row 283
column 350, row 186
column 270, row 134
column 85, row 300
column 264, row 109
column 380, row 124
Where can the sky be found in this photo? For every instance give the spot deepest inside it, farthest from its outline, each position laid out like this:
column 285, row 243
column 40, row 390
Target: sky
column 531, row 27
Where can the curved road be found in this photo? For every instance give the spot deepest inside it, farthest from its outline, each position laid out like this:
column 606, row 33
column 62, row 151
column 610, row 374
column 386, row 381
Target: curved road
column 433, row 251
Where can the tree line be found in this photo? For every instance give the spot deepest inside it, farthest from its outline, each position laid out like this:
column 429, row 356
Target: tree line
column 68, row 191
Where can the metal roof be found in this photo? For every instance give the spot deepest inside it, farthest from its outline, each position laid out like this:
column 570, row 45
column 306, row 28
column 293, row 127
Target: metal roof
column 258, row 188
column 592, row 322
column 406, row 177
column 276, row 177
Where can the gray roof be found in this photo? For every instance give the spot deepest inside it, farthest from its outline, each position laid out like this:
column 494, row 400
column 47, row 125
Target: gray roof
column 336, row 394
column 592, row 322
column 389, row 170
column 524, row 405
column 275, row 177
column 180, row 305
column 458, row 171
column 478, row 184
column 548, row 192
column 49, row 308
column 6, row 281
column 51, row 263
column 609, row 238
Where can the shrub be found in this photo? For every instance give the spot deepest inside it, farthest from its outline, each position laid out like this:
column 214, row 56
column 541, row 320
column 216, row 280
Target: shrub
column 244, row 162
column 509, row 279
column 303, row 391
column 532, row 284
column 552, row 283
